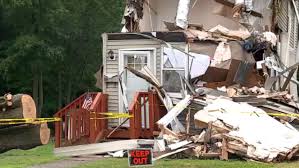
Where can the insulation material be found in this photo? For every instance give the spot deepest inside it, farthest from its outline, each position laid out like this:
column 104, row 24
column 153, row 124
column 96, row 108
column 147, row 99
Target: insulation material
column 199, row 64
column 182, row 14
column 264, row 136
column 222, row 53
column 270, row 37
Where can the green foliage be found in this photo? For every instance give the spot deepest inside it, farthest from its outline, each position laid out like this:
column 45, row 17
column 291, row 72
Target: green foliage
column 51, row 49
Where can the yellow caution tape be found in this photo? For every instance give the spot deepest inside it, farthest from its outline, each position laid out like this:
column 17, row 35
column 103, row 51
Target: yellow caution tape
column 28, row 121
column 112, row 116
column 275, row 114
column 269, row 113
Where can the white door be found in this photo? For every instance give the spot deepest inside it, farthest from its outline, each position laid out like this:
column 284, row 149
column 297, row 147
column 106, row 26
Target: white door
column 136, row 60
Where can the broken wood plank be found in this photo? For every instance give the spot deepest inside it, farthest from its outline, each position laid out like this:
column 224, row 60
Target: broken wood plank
column 199, row 138
column 179, row 144
column 165, row 130
column 272, row 95
column 237, row 147
column 188, row 121
column 175, row 111
column 209, row 155
column 97, row 148
column 224, row 153
column 290, row 155
column 170, row 153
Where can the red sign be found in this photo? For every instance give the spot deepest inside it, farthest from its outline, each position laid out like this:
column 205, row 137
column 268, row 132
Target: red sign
column 140, row 157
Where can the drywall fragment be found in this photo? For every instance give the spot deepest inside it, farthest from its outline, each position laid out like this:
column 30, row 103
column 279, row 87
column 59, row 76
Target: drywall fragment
column 222, row 53
column 199, row 64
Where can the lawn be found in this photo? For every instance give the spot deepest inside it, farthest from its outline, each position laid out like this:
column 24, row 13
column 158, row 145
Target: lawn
column 123, row 163
column 25, row 158
column 44, row 154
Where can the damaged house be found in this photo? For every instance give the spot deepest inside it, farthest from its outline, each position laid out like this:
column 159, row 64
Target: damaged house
column 200, row 75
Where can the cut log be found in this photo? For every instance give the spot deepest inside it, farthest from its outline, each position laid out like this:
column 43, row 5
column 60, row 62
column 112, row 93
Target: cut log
column 23, row 106
column 24, row 137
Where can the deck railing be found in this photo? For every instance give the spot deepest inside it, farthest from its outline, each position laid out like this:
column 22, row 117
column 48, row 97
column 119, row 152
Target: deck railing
column 81, row 126
column 76, row 124
column 146, row 110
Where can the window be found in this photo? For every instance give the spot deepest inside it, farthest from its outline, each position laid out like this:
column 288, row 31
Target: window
column 136, row 61
column 174, row 66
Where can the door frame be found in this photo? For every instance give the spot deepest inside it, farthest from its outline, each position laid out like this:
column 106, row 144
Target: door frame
column 151, row 62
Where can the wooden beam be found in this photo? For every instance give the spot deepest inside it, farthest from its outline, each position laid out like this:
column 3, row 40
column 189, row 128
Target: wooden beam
column 224, row 152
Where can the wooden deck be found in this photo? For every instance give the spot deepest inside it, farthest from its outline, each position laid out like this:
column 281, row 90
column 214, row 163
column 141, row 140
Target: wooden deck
column 80, row 126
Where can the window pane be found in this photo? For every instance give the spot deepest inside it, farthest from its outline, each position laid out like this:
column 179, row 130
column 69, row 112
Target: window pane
column 138, row 66
column 171, row 80
column 173, row 58
column 130, row 58
column 140, row 59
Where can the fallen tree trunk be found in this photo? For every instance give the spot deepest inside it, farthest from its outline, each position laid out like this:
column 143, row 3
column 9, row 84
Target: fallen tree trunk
column 24, row 137
column 23, row 106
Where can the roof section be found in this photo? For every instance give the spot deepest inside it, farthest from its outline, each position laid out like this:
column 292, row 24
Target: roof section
column 165, row 36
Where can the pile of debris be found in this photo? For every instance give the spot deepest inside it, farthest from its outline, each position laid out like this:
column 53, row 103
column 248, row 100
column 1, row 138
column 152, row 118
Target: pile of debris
column 233, row 123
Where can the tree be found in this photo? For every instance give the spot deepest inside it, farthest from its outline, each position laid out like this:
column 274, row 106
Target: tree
column 51, row 49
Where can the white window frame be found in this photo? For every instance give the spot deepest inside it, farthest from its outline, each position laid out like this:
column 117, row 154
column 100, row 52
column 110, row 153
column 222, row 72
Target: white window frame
column 186, row 69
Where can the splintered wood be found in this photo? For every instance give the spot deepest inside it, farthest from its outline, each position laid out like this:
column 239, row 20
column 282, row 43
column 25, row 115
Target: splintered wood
column 252, row 133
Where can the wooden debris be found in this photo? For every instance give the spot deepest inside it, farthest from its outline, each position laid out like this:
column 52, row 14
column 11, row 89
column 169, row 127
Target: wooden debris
column 159, row 145
column 98, row 148
column 188, row 121
column 291, row 154
column 236, row 143
column 175, row 111
column 224, row 153
column 170, row 153
column 179, row 144
column 199, row 138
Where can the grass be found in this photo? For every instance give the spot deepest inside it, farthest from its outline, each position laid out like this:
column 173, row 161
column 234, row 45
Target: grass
column 24, row 158
column 123, row 163
column 44, row 154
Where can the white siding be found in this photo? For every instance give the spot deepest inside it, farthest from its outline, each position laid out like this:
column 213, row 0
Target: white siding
column 283, row 16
